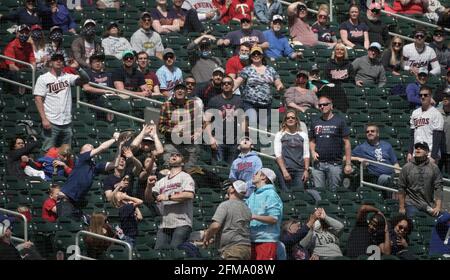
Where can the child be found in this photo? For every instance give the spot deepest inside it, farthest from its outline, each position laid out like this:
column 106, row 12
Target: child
column 49, row 207
column 129, row 214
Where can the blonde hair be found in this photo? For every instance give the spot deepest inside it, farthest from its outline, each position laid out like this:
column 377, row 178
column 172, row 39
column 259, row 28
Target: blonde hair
column 340, row 45
column 284, row 124
column 325, row 8
column 64, row 150
column 393, row 59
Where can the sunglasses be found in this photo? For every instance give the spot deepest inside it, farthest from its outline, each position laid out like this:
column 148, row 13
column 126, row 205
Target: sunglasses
column 375, row 11
column 438, row 34
column 302, row 8
column 256, row 54
column 424, row 95
column 397, row 44
column 324, row 105
column 128, row 58
column 227, row 83
column 291, row 118
column 146, row 19
column 171, row 56
column 245, row 21
column 191, row 83
column 323, row 16
column 370, row 131
column 419, row 36
column 175, row 154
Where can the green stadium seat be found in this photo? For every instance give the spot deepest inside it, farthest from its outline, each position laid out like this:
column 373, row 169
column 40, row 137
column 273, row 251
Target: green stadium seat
column 144, row 252
column 68, row 224
column 116, row 252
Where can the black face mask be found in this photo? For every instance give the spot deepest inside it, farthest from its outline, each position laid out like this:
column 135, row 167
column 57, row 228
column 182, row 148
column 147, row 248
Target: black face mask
column 56, row 36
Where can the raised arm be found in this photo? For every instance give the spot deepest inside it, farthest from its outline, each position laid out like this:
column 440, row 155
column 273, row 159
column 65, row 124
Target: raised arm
column 105, row 145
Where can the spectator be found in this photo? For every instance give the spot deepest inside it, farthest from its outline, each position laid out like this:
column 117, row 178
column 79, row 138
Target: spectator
column 54, row 102
column 55, row 45
column 226, row 106
column 145, row 39
column 87, row 44
column 426, row 125
column 392, row 58
column 240, row 9
column 8, row 251
column 300, row 31
column 245, row 35
column 129, row 214
column 329, row 136
column 80, row 181
column 38, row 43
column 439, row 236
column 49, row 206
column 128, row 78
column 163, row 20
column 150, row 77
column 267, row 212
column 368, row 68
column 181, row 134
column 378, row 30
column 413, row 89
column 56, row 162
column 325, row 34
column 222, row 7
column 444, row 163
column 112, row 43
column 108, row 4
column 420, row 184
column 169, row 75
column 408, row 7
column 441, row 50
column 256, row 80
column 377, row 150
column 27, row 15
column 213, row 87
column 292, row 233
column 354, row 33
column 232, row 218
column 19, row 154
column 246, row 165
column 205, row 9
column 188, row 20
column 368, row 232
column 302, row 96
column 278, row 43
column 443, row 89
column 265, row 10
column 291, row 148
column 338, row 68
column 400, row 228
column 191, row 89
column 418, row 54
column 202, row 61
column 237, row 62
column 55, row 13
column 174, row 194
column 96, row 247
column 323, row 237
column 127, row 167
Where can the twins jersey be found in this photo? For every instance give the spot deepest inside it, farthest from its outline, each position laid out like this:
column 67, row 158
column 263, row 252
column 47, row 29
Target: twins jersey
column 57, row 96
column 424, row 122
column 201, row 6
column 424, row 59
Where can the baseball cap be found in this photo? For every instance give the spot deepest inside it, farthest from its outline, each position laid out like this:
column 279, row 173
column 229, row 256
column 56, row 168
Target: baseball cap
column 240, row 186
column 100, row 56
column 111, row 24
column 36, row 27
column 180, row 85
column 56, row 56
column 375, row 45
column 256, row 49
column 168, row 51
column 315, row 67
column 149, row 138
column 303, row 72
column 269, row 174
column 55, row 28
column 246, row 17
column 86, row 22
column 218, row 69
column 145, row 14
column 423, row 145
column 127, row 53
column 23, row 27
column 277, row 17
column 423, row 70
column 4, row 225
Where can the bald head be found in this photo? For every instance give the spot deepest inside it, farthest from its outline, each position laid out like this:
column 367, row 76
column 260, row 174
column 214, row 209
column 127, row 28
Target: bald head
column 86, row 148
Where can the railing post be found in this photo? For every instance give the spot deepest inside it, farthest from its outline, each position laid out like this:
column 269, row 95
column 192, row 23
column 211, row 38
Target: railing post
column 83, row 232
column 25, row 222
column 331, row 10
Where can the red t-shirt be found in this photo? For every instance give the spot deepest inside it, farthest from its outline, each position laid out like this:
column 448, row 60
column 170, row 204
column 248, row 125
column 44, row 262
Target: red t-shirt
column 410, row 9
column 151, row 80
column 19, row 51
column 239, row 8
column 47, row 213
column 234, row 65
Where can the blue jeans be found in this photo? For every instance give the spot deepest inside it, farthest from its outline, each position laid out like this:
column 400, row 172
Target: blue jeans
column 327, row 174
column 172, row 237
column 227, row 153
column 67, row 208
column 296, row 182
column 56, row 136
column 411, row 210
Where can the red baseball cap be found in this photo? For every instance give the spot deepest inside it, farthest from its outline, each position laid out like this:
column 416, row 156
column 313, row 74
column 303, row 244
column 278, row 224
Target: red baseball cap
column 36, row 27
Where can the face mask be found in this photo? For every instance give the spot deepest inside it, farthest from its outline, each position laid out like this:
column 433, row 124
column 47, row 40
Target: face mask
column 23, row 38
column 244, row 57
column 36, row 35
column 89, row 32
column 317, row 225
column 205, row 54
column 56, row 37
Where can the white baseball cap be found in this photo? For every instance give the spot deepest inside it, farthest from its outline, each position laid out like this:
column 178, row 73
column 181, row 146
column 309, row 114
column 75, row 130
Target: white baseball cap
column 89, row 21
column 277, row 17
column 269, row 174
column 375, row 45
column 423, row 70
column 240, row 186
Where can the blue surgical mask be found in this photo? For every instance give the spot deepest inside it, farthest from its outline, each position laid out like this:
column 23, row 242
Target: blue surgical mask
column 244, row 56
column 23, row 38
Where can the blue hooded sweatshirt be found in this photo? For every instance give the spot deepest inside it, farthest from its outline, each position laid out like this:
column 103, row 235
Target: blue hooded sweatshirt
column 265, row 202
column 439, row 235
column 244, row 167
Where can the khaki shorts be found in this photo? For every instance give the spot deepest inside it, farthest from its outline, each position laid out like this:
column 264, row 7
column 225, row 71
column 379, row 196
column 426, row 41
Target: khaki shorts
column 237, row 252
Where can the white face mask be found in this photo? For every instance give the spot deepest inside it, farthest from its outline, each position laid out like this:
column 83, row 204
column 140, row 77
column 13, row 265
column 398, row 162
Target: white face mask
column 317, row 225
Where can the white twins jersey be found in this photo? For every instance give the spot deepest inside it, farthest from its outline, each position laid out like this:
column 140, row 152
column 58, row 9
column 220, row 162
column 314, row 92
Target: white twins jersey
column 57, row 96
column 413, row 58
column 201, row 6
column 424, row 122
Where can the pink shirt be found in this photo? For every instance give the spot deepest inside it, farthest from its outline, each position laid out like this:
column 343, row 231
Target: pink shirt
column 301, row 31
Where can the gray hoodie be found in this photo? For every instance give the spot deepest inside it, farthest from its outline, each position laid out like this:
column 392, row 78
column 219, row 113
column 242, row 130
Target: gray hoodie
column 369, row 72
column 422, row 184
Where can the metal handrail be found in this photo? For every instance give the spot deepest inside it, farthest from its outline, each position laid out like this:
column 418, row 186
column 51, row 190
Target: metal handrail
column 83, row 232
column 33, row 73
column 25, row 224
column 126, row 93
column 414, row 20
